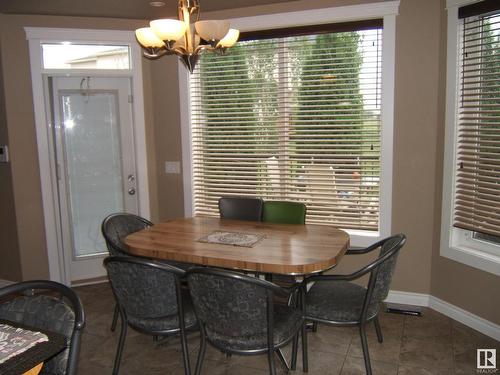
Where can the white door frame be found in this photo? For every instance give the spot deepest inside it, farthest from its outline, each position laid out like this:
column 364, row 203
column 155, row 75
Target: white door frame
column 36, row 36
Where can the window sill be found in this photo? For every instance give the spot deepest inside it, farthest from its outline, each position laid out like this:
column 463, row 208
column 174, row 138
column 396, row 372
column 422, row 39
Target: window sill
column 472, row 257
column 361, row 238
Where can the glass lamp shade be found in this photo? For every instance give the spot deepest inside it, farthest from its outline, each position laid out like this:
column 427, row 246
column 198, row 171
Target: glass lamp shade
column 168, row 29
column 147, row 38
column 212, row 29
column 230, row 39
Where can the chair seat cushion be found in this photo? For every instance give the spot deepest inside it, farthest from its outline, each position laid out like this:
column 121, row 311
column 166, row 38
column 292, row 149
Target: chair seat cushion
column 166, row 323
column 287, row 322
column 338, row 301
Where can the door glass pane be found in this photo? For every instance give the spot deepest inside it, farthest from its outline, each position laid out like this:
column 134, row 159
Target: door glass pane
column 91, row 137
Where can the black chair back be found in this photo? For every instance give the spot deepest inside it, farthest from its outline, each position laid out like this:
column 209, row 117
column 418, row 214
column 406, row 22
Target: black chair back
column 144, row 289
column 231, row 304
column 63, row 315
column 116, row 227
column 241, row 208
column 382, row 274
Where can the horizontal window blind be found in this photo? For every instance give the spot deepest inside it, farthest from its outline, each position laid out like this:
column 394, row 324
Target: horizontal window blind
column 477, row 180
column 293, row 118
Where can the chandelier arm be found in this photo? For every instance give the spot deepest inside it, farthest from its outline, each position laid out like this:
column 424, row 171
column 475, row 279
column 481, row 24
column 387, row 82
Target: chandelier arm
column 201, row 48
column 153, row 54
column 179, row 51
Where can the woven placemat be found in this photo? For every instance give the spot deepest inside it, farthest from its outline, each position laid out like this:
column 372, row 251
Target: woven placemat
column 232, row 238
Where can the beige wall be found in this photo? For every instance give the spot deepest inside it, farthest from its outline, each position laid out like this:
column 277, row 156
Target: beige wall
column 417, row 62
column 418, row 147
column 166, row 104
column 10, row 265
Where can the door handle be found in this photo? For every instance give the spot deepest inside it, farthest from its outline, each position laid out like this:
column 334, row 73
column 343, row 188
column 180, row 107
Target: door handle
column 131, row 191
column 131, row 178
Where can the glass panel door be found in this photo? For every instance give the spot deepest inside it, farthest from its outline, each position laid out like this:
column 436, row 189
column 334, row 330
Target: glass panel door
column 92, row 151
column 94, row 144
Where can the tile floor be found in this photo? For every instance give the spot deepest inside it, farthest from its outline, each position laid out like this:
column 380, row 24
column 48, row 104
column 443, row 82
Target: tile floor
column 429, row 345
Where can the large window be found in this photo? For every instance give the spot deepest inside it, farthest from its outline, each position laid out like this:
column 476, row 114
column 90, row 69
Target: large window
column 295, row 117
column 472, row 219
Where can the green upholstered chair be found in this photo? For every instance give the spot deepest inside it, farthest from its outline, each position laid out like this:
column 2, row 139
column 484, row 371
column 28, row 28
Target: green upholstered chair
column 284, row 212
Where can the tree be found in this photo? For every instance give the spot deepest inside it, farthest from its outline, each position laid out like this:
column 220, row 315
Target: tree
column 238, row 105
column 330, row 104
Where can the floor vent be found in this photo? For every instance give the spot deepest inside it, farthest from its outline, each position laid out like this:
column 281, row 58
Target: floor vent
column 397, row 308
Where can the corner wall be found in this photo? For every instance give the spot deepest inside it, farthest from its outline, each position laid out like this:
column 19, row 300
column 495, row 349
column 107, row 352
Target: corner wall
column 10, row 266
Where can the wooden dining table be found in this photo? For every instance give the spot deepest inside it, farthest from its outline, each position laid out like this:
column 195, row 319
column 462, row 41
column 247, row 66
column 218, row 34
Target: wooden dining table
column 282, row 249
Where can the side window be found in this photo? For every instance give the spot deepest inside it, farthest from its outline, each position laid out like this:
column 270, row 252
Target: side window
column 471, row 195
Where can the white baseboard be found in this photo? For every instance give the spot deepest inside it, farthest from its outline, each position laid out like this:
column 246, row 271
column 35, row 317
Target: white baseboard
column 406, row 298
column 476, row 322
column 460, row 315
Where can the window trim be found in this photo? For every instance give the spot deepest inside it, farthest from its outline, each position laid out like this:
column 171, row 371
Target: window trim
column 458, row 244
column 387, row 11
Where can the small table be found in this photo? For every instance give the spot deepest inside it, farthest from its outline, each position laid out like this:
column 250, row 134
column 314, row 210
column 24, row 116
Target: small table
column 34, row 356
column 285, row 249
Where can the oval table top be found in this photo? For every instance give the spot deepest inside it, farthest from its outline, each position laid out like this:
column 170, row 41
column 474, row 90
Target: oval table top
column 284, row 248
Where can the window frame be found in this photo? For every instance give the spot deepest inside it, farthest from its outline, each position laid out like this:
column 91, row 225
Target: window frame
column 458, row 244
column 385, row 10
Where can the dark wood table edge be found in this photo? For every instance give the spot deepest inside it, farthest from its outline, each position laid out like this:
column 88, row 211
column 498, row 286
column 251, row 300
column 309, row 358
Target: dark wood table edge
column 37, row 354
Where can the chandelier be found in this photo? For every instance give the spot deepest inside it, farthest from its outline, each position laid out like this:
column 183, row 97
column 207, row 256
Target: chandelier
column 187, row 37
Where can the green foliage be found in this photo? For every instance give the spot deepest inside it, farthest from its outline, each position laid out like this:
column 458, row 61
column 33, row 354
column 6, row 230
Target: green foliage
column 248, row 104
column 329, row 97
